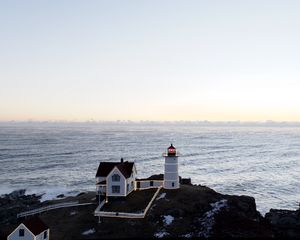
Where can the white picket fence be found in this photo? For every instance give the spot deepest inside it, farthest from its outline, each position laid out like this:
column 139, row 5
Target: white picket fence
column 51, row 207
column 99, row 213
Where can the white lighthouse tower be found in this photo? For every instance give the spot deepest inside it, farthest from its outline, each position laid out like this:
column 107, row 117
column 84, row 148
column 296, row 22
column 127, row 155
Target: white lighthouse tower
column 171, row 177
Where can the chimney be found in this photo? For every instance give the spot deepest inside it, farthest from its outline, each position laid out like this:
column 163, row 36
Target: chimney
column 122, row 160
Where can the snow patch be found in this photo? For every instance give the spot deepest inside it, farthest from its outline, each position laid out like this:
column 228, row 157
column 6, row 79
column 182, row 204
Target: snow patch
column 161, row 234
column 88, row 232
column 188, row 235
column 51, row 193
column 208, row 220
column 73, row 213
column 163, row 195
column 168, row 219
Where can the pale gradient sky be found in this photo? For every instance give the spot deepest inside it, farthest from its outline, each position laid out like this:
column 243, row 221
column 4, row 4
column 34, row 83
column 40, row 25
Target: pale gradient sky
column 150, row 60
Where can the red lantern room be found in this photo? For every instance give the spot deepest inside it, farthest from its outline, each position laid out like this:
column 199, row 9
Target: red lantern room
column 171, row 151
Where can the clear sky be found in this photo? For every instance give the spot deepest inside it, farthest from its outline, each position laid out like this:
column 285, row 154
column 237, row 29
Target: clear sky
column 150, row 60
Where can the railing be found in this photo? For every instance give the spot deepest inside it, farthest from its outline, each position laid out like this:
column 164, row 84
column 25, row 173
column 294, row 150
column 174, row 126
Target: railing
column 153, row 198
column 99, row 213
column 100, row 183
column 100, row 206
column 100, row 188
column 120, row 215
column 177, row 154
column 51, row 207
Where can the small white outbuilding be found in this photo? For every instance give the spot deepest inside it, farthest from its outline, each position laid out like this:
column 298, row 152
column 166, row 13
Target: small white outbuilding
column 31, row 229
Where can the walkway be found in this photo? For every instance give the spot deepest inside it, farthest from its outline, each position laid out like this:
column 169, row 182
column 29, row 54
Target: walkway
column 100, row 213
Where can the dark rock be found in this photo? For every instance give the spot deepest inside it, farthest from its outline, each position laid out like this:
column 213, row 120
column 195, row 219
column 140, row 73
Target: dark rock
column 245, row 206
column 194, row 208
column 16, row 194
column 156, row 177
column 187, row 181
column 195, row 214
column 60, row 196
column 81, row 193
column 175, row 212
column 285, row 223
column 241, row 220
column 15, row 202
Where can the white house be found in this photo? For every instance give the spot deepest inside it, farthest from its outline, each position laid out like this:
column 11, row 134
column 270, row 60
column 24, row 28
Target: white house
column 115, row 179
column 118, row 179
column 30, row 229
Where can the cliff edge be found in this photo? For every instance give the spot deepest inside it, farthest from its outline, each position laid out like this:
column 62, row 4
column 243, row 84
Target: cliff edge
column 191, row 211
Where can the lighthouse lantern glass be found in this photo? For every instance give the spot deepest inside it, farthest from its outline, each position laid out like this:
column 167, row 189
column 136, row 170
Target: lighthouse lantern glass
column 171, row 150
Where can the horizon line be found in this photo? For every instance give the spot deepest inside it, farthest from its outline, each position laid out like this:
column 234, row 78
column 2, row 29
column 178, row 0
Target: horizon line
column 154, row 121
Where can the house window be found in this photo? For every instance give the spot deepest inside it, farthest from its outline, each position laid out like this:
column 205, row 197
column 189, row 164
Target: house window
column 21, row 232
column 115, row 178
column 128, row 187
column 115, row 189
column 173, row 184
column 151, row 183
column 45, row 234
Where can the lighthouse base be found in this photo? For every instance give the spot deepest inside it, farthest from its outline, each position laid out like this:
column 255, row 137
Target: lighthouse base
column 169, row 184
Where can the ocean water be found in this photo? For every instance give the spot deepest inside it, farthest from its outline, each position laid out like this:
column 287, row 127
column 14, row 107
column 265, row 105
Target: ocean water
column 54, row 158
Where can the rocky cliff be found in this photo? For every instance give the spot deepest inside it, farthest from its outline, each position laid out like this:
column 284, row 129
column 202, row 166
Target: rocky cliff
column 285, row 223
column 191, row 211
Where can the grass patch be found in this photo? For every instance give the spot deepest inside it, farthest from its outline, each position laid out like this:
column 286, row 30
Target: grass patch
column 135, row 202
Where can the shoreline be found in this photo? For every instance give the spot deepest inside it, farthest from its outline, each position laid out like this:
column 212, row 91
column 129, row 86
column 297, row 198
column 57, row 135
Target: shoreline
column 53, row 194
column 243, row 207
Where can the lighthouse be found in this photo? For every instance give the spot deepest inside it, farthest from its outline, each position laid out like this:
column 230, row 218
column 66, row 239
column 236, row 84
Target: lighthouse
column 171, row 177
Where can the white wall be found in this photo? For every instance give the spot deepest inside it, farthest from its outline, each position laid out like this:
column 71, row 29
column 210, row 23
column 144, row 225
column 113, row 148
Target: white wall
column 169, row 184
column 171, row 167
column 146, row 184
column 100, row 189
column 171, row 160
column 130, row 183
column 15, row 234
column 110, row 183
column 171, row 176
column 41, row 236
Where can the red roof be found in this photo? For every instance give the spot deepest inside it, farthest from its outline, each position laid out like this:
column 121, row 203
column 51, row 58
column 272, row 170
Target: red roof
column 171, row 151
column 105, row 168
column 35, row 225
column 171, row 147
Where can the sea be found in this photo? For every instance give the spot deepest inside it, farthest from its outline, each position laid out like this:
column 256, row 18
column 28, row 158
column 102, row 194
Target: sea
column 52, row 158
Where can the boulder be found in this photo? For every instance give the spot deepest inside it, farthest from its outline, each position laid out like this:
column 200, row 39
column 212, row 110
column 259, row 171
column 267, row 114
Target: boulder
column 15, row 202
column 285, row 223
column 17, row 194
